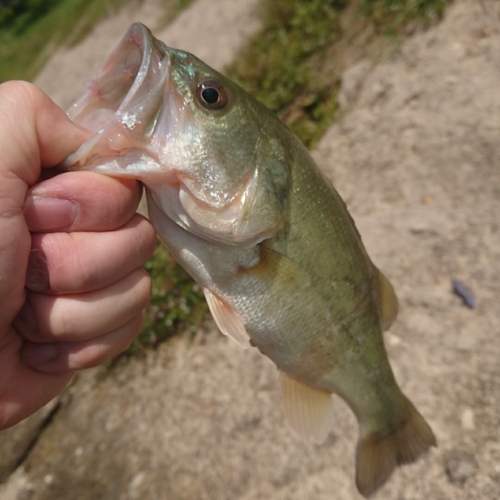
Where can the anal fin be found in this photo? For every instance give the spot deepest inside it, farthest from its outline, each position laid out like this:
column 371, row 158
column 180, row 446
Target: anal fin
column 227, row 319
column 309, row 411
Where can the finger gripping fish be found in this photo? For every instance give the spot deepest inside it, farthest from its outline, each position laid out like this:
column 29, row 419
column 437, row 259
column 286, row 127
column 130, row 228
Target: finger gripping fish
column 244, row 209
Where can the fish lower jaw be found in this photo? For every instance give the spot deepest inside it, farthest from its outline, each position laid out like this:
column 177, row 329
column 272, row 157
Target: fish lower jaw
column 219, row 227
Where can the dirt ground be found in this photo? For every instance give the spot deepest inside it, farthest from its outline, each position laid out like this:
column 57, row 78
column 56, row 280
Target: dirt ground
column 416, row 156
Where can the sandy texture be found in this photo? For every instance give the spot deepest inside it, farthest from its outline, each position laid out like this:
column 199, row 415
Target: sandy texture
column 416, row 157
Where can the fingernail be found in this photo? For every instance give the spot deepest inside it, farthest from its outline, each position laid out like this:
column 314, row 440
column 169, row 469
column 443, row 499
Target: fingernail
column 25, row 321
column 49, row 214
column 35, row 355
column 37, row 275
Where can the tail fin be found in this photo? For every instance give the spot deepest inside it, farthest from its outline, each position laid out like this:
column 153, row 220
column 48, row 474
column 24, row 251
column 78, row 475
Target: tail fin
column 377, row 456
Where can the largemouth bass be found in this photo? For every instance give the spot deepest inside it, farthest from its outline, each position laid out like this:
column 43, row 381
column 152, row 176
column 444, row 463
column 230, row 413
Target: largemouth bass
column 244, row 209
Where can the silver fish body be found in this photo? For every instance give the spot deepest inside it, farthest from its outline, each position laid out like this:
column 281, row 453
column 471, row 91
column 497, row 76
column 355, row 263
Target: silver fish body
column 242, row 206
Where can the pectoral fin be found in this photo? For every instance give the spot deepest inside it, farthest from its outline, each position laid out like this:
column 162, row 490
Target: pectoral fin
column 277, row 267
column 309, row 411
column 388, row 301
column 227, row 319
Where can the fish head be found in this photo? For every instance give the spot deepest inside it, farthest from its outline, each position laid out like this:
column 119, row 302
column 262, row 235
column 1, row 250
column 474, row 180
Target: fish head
column 212, row 158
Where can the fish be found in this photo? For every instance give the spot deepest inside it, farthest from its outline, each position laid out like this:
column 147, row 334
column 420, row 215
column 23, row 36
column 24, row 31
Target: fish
column 242, row 206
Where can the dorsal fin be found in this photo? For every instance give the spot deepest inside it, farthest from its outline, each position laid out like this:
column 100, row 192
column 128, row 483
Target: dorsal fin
column 308, row 410
column 227, row 319
column 388, row 301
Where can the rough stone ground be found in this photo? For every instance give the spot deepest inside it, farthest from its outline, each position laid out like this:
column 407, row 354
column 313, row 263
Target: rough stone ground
column 416, row 157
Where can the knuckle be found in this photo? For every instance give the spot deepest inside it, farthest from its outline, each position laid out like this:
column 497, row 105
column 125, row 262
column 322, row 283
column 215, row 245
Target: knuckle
column 71, row 269
column 18, row 87
column 144, row 238
column 143, row 288
column 133, row 328
column 150, row 239
column 64, row 323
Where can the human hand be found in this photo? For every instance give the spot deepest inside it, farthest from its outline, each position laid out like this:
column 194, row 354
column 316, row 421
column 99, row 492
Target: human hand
column 71, row 291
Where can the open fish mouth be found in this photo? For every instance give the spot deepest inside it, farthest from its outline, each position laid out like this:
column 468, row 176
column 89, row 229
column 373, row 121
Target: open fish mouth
column 207, row 164
column 122, row 104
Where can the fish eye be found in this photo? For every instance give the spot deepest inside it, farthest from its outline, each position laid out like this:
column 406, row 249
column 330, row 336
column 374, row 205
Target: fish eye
column 212, row 94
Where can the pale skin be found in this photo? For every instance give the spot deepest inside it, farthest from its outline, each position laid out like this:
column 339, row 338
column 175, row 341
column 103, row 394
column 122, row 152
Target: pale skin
column 72, row 285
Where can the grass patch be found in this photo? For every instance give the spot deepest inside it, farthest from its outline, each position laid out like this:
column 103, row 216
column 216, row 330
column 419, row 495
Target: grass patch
column 26, row 46
column 393, row 16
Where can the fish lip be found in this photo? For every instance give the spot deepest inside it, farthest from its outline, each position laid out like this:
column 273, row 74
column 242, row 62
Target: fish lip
column 123, row 101
column 147, row 44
